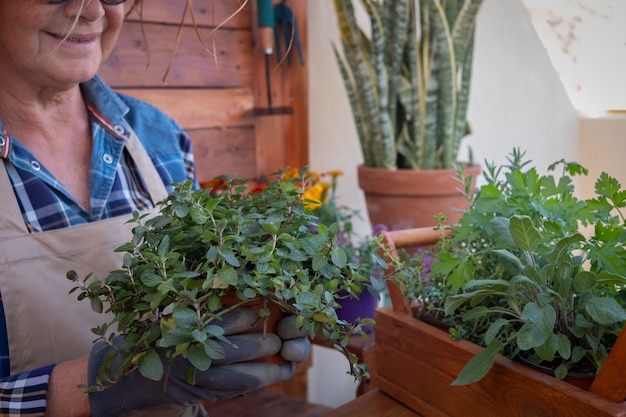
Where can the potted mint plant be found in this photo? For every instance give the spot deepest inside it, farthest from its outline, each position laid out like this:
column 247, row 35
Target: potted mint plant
column 180, row 264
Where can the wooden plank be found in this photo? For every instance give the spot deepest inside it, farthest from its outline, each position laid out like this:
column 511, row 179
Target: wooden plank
column 143, row 53
column 199, row 109
column 610, row 383
column 373, row 404
column 265, row 403
column 289, row 88
column 224, row 151
column 272, row 140
column 208, row 13
column 406, row 239
column 421, row 236
column 417, row 363
column 295, row 90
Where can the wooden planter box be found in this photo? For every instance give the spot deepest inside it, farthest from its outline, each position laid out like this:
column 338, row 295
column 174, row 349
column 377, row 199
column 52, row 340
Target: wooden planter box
column 416, row 362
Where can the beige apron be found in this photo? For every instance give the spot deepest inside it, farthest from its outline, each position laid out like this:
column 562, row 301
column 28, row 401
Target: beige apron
column 45, row 324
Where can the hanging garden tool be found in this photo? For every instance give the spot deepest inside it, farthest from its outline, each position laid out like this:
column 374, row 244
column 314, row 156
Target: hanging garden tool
column 286, row 21
column 266, row 21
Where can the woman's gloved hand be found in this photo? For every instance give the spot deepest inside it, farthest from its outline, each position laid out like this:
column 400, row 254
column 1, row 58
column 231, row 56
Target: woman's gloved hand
column 235, row 374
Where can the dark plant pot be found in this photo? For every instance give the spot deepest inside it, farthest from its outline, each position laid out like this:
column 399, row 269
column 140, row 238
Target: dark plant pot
column 422, row 314
column 580, row 379
column 352, row 308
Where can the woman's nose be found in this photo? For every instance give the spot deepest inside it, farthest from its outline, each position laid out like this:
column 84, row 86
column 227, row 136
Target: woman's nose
column 85, row 9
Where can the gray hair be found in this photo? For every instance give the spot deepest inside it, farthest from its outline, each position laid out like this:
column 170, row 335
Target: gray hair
column 73, row 24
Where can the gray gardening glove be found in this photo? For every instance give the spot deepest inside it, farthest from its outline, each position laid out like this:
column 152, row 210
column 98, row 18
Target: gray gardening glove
column 235, row 374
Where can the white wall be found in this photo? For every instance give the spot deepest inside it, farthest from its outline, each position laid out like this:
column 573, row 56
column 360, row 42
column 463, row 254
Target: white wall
column 517, row 100
column 585, row 42
column 602, row 150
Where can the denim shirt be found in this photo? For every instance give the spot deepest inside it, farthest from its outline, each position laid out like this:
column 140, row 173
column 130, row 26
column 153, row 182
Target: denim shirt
column 115, row 188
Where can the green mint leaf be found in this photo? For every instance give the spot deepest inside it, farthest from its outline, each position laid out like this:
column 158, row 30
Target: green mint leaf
column 150, row 365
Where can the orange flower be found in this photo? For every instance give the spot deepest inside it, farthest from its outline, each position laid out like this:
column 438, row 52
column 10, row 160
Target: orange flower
column 314, row 176
column 216, row 185
column 292, row 173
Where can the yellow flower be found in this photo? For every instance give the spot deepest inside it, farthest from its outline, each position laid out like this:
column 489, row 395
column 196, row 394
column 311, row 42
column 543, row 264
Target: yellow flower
column 315, row 196
column 317, row 193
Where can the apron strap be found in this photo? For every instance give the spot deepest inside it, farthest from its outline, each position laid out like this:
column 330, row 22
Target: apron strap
column 11, row 212
column 149, row 173
column 10, row 207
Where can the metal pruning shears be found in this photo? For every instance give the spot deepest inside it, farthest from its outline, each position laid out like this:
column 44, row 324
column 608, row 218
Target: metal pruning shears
column 285, row 20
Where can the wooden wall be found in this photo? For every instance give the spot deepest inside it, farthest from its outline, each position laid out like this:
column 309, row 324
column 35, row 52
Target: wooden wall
column 215, row 80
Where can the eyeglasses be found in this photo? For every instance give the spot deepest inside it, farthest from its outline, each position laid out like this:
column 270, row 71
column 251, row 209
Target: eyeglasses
column 108, row 2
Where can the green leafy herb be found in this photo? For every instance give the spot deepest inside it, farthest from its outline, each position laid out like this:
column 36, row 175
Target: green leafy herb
column 548, row 268
column 263, row 244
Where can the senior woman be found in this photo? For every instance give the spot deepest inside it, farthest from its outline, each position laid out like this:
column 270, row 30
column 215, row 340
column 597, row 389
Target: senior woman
column 76, row 159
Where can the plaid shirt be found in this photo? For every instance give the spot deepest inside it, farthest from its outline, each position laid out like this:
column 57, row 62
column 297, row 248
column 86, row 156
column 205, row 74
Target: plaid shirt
column 115, row 186
column 25, row 393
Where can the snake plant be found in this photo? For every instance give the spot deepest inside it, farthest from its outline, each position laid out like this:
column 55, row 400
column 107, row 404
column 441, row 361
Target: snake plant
column 408, row 80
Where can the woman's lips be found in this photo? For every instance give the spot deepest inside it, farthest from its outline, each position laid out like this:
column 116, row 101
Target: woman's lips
column 75, row 38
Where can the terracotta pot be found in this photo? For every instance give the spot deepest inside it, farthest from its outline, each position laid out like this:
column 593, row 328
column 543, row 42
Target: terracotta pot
column 404, row 199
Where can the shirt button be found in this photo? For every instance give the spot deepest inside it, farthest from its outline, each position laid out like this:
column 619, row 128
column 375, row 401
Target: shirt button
column 119, row 129
column 107, row 158
column 35, row 165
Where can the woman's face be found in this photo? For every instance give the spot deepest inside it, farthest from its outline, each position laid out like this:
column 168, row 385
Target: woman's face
column 56, row 44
